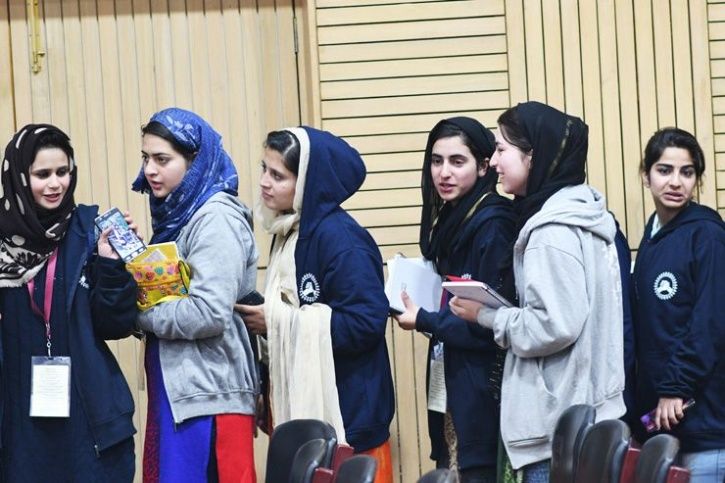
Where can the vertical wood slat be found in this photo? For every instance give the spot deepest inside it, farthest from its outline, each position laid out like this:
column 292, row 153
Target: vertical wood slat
column 611, row 115
column 7, row 95
column 631, row 151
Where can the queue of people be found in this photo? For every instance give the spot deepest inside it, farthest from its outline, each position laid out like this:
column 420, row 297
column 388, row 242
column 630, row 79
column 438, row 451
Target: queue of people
column 221, row 360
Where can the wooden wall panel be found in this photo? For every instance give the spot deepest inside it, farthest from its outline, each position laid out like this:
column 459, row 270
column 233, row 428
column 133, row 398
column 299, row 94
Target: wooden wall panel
column 714, row 14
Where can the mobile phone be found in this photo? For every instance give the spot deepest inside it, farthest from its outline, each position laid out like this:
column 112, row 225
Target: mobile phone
column 252, row 298
column 648, row 420
column 122, row 238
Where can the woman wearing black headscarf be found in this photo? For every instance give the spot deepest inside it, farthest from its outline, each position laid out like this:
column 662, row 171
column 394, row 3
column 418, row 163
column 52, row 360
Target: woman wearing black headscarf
column 466, row 231
column 62, row 293
column 564, row 340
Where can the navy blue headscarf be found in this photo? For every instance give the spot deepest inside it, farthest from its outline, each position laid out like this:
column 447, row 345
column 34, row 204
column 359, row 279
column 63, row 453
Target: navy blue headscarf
column 210, row 172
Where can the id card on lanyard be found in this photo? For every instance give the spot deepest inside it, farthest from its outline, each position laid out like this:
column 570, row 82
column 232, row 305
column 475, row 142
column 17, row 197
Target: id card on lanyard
column 437, row 398
column 50, row 376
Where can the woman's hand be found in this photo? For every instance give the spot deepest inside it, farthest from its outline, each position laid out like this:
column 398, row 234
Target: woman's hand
column 465, row 309
column 253, row 317
column 104, row 246
column 406, row 320
column 669, row 412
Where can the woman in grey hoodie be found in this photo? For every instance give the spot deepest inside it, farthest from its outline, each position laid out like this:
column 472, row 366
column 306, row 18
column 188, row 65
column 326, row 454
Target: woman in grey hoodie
column 564, row 340
column 199, row 362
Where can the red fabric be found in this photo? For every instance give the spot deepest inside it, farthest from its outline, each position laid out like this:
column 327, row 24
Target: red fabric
column 235, row 448
column 384, row 473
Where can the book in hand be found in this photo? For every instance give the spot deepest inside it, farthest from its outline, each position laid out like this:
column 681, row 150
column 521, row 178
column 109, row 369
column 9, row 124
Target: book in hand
column 122, row 238
column 418, row 278
column 478, row 291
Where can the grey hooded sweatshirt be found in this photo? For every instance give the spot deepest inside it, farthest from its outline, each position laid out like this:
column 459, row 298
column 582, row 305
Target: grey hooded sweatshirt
column 565, row 341
column 206, row 356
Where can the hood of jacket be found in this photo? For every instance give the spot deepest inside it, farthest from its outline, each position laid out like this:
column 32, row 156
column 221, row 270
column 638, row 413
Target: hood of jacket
column 578, row 206
column 335, row 171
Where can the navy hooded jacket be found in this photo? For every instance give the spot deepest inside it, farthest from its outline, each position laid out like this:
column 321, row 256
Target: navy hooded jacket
column 339, row 264
column 679, row 285
column 100, row 305
column 470, row 351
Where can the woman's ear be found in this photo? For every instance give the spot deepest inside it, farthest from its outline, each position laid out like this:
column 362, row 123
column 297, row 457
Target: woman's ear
column 483, row 167
column 645, row 179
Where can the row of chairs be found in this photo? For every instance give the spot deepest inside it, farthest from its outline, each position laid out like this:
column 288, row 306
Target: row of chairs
column 587, row 452
column 307, row 451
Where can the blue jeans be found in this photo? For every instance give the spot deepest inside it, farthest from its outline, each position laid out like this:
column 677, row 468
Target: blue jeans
column 705, row 466
column 537, row 472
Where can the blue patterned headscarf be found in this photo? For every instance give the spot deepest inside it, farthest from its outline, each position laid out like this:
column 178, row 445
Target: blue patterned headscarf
column 210, row 172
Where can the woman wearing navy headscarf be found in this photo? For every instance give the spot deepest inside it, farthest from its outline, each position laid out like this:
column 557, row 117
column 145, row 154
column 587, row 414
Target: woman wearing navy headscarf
column 199, row 360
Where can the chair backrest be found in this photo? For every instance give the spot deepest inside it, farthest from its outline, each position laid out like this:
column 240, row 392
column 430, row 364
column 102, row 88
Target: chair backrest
column 572, row 426
column 288, row 437
column 357, row 469
column 441, row 475
column 307, row 459
column 655, row 459
column 602, row 452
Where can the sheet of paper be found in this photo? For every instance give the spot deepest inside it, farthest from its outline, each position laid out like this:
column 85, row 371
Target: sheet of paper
column 50, row 390
column 418, row 278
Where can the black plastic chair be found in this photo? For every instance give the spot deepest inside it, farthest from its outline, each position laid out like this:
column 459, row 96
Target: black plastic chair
column 288, row 437
column 357, row 469
column 655, row 459
column 441, row 475
column 307, row 459
column 602, row 453
column 571, row 428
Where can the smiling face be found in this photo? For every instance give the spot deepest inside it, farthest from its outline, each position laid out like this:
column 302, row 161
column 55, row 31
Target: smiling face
column 49, row 177
column 512, row 166
column 163, row 166
column 453, row 168
column 277, row 183
column 671, row 180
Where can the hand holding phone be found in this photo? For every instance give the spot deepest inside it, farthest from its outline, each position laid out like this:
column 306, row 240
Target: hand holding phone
column 116, row 231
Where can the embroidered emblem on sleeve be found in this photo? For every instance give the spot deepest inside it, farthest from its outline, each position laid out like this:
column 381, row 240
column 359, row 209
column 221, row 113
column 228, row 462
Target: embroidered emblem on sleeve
column 309, row 288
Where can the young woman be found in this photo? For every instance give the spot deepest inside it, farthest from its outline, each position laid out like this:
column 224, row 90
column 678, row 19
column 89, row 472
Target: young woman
column 466, row 230
column 325, row 309
column 680, row 306
column 565, row 339
column 199, row 361
column 62, row 292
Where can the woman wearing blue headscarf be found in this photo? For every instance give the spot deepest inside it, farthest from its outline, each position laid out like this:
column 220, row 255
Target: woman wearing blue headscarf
column 199, row 360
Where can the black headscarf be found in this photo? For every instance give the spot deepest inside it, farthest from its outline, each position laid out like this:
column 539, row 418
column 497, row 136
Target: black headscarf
column 441, row 224
column 28, row 233
column 559, row 143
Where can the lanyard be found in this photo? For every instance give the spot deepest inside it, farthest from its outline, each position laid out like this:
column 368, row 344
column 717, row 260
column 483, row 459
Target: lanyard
column 48, row 299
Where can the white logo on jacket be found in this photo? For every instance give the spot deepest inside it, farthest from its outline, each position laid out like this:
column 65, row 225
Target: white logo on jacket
column 83, row 282
column 309, row 288
column 665, row 286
